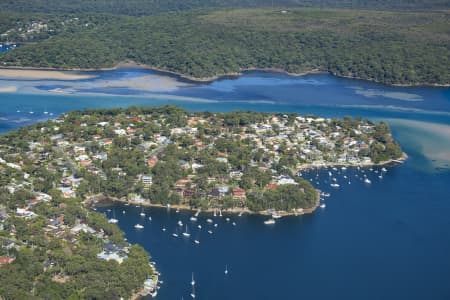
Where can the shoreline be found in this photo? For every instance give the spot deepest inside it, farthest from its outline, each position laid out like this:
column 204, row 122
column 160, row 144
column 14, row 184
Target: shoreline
column 94, row 200
column 209, row 79
column 101, row 199
column 399, row 160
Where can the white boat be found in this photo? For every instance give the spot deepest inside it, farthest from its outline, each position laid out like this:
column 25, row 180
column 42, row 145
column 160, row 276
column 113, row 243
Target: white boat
column 220, row 212
column 197, row 213
column 322, row 205
column 199, row 226
column 180, row 223
column 269, row 222
column 149, row 218
column 227, row 219
column 174, row 235
column 209, row 231
column 192, row 280
column 197, row 242
column 186, row 233
column 142, row 214
column 343, row 168
column 209, row 221
column 164, row 229
column 226, row 270
column 178, row 210
column 234, row 224
column 138, row 226
column 384, row 169
column 193, row 219
column 367, row 180
column 276, row 216
column 215, row 225
column 123, row 212
column 335, row 185
column 193, row 291
column 240, row 214
column 113, row 220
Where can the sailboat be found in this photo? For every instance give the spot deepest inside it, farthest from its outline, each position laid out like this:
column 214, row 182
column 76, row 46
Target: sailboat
column 113, row 220
column 193, row 287
column 142, row 213
column 186, row 233
column 226, row 270
column 193, row 292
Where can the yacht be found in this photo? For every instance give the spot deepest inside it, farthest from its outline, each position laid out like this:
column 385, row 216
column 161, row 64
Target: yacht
column 186, row 233
column 276, row 216
column 138, row 226
column 322, row 205
column 193, row 219
column 142, row 214
column 215, row 225
column 209, row 221
column 180, row 223
column 192, row 280
column 113, row 220
column 149, row 218
column 367, row 180
column 197, row 242
column 164, row 229
column 175, row 235
column 234, row 224
column 384, row 169
column 199, row 226
column 226, row 270
column 209, row 231
column 227, row 219
column 335, row 185
column 269, row 222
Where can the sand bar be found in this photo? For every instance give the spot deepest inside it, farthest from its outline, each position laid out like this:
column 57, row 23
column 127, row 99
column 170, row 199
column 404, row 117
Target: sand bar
column 42, row 74
column 8, row 89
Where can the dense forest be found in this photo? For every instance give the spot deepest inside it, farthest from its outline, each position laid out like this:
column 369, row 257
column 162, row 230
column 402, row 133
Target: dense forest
column 388, row 47
column 148, row 7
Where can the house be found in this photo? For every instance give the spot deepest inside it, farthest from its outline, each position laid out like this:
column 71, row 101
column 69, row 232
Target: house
column 152, row 161
column 238, row 193
column 6, row 260
column 147, row 180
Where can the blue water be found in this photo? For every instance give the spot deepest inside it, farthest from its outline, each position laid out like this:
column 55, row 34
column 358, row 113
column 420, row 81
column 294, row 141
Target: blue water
column 388, row 240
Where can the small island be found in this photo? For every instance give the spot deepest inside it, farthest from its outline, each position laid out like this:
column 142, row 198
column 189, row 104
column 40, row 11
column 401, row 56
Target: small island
column 53, row 172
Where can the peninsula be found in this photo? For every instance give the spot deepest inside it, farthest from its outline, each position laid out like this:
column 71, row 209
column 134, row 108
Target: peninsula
column 57, row 247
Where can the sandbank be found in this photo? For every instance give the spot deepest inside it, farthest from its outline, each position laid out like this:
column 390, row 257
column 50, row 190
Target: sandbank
column 43, row 74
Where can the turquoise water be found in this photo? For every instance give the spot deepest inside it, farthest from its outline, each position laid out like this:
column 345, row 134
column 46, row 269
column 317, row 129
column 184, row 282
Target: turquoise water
column 389, row 240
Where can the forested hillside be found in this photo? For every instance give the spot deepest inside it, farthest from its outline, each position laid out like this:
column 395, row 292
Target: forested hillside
column 148, row 7
column 389, row 47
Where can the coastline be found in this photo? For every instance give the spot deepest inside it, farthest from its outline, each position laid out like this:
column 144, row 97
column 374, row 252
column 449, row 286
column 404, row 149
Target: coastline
column 94, row 200
column 102, row 199
column 401, row 159
column 131, row 64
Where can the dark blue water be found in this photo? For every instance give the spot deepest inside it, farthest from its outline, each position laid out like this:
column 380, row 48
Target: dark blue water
column 388, row 240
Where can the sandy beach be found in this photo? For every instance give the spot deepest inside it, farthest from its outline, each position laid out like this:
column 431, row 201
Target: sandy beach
column 8, row 89
column 42, row 74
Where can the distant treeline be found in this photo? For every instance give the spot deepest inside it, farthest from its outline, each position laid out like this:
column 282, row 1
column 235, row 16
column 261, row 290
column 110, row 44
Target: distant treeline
column 150, row 7
column 389, row 47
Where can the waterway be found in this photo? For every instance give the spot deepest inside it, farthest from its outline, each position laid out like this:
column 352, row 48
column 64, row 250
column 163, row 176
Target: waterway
column 386, row 240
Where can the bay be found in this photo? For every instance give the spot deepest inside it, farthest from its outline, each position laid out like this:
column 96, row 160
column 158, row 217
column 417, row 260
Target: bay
column 386, row 240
